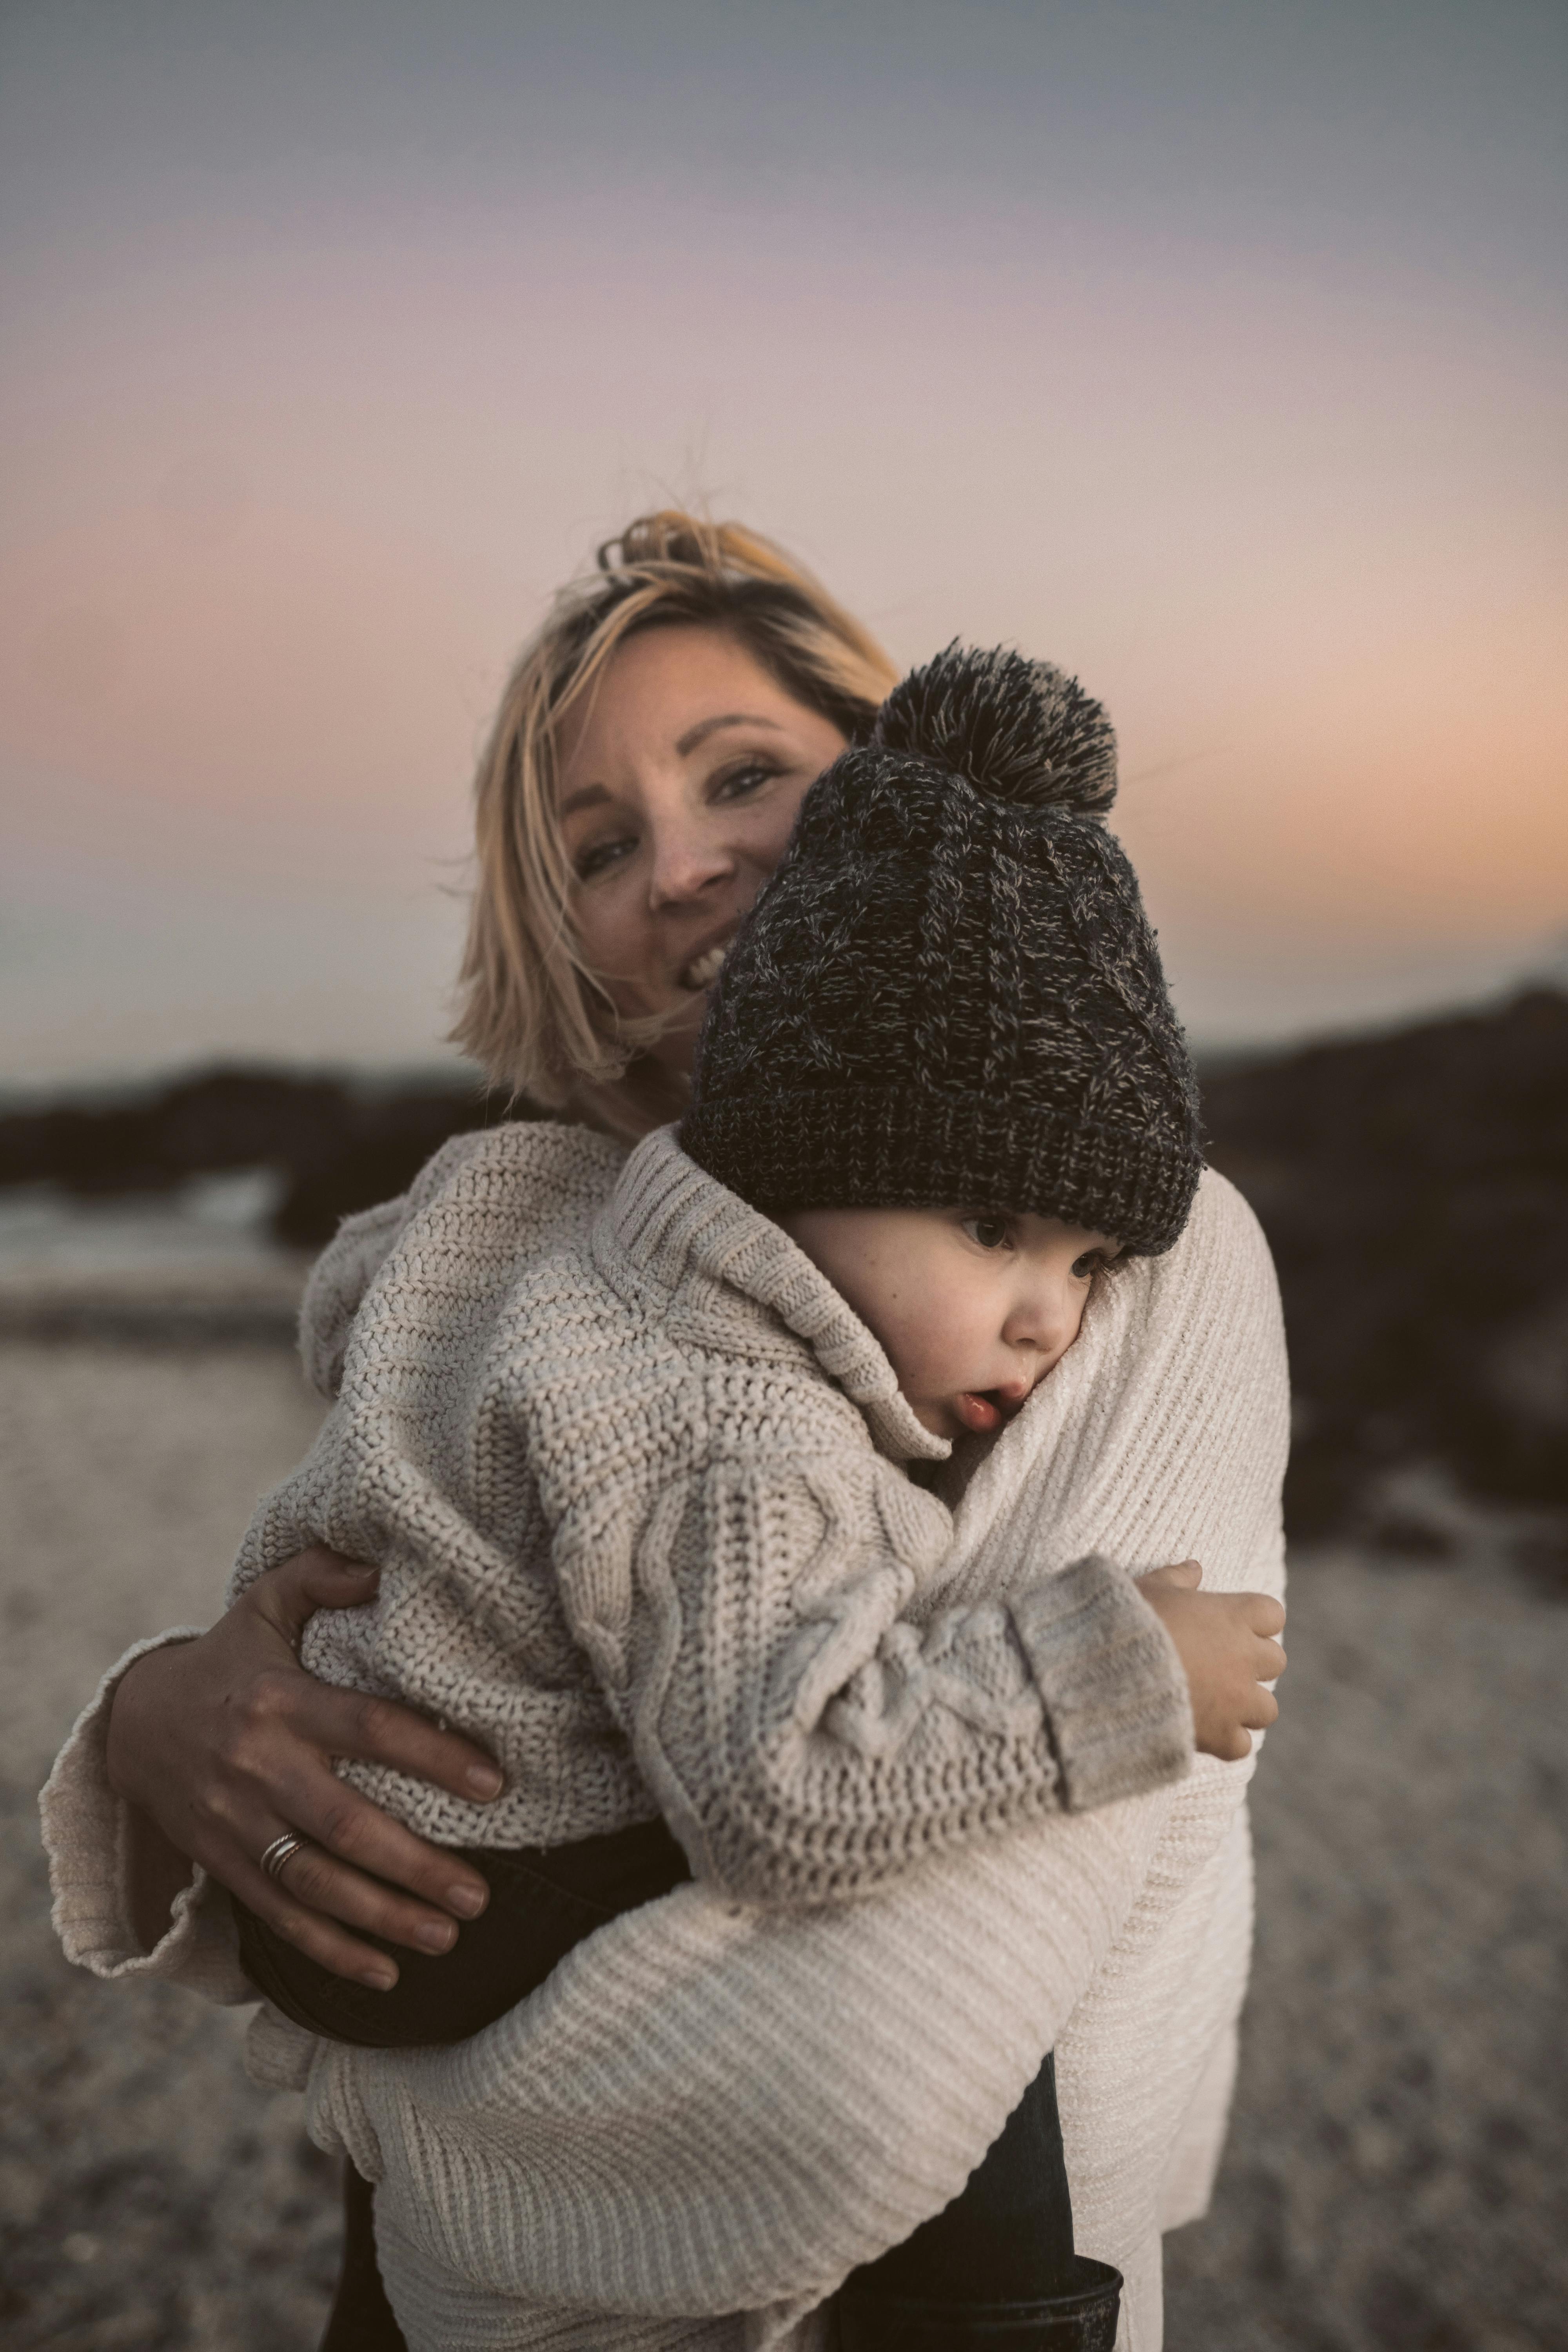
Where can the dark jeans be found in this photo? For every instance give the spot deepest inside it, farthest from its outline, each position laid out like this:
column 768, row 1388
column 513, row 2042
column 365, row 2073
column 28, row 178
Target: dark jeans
column 361, row 2319
column 996, row 2267
column 544, row 1901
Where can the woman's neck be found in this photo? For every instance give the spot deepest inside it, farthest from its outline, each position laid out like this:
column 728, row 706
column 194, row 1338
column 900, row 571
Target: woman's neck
column 646, row 1095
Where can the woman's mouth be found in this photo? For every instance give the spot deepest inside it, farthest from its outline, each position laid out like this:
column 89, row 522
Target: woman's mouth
column 704, row 969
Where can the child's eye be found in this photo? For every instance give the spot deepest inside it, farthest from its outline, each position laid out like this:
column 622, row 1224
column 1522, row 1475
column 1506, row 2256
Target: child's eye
column 991, row 1232
column 1091, row 1262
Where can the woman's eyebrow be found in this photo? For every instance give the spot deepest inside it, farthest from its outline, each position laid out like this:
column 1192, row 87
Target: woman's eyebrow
column 585, row 796
column 706, row 727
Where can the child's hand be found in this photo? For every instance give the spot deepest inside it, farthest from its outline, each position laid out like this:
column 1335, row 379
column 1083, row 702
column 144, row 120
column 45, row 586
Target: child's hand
column 1225, row 1641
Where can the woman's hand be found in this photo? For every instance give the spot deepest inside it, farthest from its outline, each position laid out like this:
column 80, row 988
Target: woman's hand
column 224, row 1743
column 1225, row 1643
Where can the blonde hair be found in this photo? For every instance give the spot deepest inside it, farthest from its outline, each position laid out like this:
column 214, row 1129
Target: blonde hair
column 531, row 1013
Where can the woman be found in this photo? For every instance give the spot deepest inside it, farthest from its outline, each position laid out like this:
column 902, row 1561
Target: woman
column 673, row 713
column 643, row 779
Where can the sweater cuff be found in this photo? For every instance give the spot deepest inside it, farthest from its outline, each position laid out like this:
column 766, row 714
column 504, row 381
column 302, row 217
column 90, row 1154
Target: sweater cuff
column 87, row 1836
column 1116, row 1698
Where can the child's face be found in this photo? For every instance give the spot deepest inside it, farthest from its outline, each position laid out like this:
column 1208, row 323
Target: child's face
column 973, row 1309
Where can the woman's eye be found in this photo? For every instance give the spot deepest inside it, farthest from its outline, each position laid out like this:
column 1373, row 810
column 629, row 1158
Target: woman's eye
column 991, row 1232
column 739, row 782
column 600, row 856
column 1088, row 1264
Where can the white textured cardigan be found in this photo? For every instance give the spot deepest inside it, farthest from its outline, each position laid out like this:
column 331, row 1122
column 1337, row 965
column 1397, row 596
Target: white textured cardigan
column 712, row 2109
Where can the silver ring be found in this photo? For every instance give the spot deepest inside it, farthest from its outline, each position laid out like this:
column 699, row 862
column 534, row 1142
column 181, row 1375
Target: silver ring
column 279, row 1852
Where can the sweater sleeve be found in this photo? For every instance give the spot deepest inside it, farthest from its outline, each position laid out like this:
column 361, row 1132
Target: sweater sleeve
column 805, row 1735
column 89, row 1836
column 591, row 2149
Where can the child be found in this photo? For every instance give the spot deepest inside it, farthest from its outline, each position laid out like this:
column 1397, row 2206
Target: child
column 633, row 1470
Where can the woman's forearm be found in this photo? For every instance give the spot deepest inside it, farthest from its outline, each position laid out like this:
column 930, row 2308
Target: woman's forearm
column 206, row 1747
column 126, row 1902
column 156, row 1872
column 599, row 2143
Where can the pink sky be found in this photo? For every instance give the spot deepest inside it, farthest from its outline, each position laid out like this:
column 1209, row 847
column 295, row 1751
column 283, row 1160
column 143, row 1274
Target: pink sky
column 309, row 410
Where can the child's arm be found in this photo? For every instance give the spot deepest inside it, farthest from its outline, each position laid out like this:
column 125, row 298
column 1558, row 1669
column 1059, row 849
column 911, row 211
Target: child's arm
column 1227, row 1646
column 805, row 1733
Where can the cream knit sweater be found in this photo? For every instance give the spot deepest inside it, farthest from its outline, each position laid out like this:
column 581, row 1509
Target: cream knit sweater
column 630, row 1471
column 714, row 2109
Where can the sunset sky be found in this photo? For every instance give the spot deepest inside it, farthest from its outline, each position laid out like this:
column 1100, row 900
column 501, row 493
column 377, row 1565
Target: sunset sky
column 1212, row 351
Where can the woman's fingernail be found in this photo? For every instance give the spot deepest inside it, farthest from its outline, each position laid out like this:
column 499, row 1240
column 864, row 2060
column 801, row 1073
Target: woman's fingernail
column 484, row 1781
column 380, row 1979
column 435, row 1935
column 467, row 1901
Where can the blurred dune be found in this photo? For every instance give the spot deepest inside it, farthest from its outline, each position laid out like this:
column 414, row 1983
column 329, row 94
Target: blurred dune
column 1414, row 1187
column 1414, row 1191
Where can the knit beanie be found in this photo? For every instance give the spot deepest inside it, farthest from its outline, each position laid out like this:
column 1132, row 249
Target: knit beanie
column 948, row 994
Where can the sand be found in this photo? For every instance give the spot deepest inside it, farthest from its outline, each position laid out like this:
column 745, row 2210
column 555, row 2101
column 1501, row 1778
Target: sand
column 1397, row 2173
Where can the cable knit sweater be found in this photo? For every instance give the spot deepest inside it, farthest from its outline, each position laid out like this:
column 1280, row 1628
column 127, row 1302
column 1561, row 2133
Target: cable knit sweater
column 631, row 1472
column 590, row 2172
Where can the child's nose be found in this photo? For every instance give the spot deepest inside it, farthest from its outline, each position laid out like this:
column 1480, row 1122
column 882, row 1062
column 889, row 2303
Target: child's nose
column 1047, row 1318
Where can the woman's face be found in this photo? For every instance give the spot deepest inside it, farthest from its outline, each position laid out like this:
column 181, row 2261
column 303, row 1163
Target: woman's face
column 679, row 782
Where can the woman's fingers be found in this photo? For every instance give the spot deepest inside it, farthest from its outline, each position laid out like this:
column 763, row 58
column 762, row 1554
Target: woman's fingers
column 377, row 1864
column 310, row 1931
column 317, row 1879
column 346, row 1723
column 330, row 1948
column 287, row 1597
column 224, row 1741
column 317, row 1894
column 382, row 1731
column 313, row 1897
column 228, row 1834
column 275, row 1757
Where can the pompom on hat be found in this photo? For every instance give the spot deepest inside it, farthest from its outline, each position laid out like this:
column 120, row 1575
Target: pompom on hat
column 949, row 995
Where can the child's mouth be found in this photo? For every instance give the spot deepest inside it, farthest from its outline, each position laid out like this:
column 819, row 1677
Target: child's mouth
column 984, row 1410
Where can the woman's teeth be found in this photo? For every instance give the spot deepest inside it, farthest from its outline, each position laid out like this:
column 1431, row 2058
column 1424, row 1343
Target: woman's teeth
column 704, row 969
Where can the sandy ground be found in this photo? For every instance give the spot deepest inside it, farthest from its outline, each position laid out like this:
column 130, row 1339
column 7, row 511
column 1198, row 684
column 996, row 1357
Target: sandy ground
column 1396, row 2175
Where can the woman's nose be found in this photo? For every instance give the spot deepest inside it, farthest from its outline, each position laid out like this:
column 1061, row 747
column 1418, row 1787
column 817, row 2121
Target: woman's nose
column 687, row 860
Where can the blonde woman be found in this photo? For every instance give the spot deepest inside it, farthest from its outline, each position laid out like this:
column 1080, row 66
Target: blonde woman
column 646, row 766
column 651, row 750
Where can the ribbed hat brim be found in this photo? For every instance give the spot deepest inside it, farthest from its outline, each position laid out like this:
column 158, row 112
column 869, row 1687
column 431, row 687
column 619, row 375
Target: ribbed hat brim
column 906, row 1146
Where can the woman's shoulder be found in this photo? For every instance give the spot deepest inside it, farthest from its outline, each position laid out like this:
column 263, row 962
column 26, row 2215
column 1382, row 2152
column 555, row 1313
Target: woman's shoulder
column 1223, row 1235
